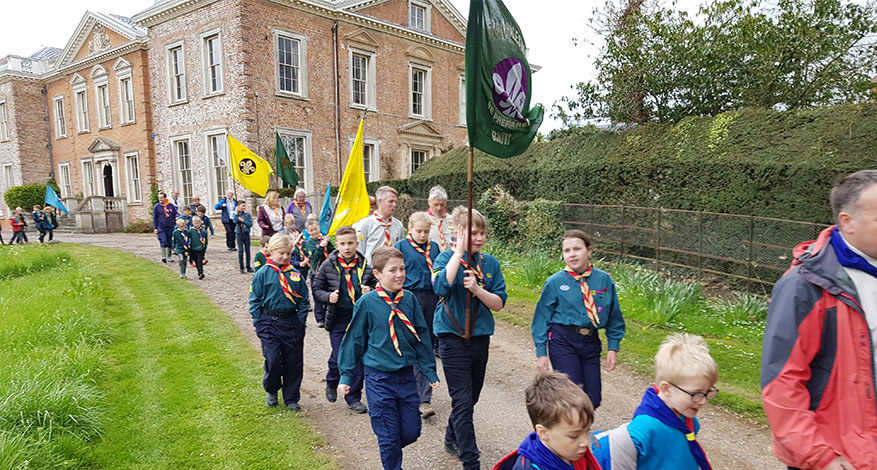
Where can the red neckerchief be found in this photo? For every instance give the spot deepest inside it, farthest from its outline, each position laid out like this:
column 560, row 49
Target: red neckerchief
column 420, row 250
column 587, row 296
column 440, row 231
column 349, row 267
column 395, row 312
column 386, row 224
column 284, row 283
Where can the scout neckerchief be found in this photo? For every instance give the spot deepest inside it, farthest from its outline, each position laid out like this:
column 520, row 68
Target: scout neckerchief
column 167, row 215
column 653, row 406
column 301, row 206
column 185, row 240
column 202, row 235
column 395, row 312
column 349, row 267
column 386, row 224
column 588, row 297
column 325, row 248
column 421, row 251
column 441, row 232
column 284, row 283
column 299, row 244
column 479, row 274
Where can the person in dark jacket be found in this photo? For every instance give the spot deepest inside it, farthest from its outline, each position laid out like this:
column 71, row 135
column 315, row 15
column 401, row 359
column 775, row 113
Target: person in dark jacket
column 39, row 220
column 339, row 283
column 242, row 222
column 227, row 208
column 164, row 216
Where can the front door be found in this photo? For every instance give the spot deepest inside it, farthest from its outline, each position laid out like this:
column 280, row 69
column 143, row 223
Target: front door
column 108, row 180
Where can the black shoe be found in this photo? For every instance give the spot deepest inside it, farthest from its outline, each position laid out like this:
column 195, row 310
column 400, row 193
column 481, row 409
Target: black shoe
column 249, row 270
column 201, row 276
column 271, row 399
column 435, row 352
column 164, row 260
column 242, row 270
column 331, row 394
column 232, row 249
column 452, row 448
column 294, row 406
column 321, row 325
column 357, row 407
column 204, row 262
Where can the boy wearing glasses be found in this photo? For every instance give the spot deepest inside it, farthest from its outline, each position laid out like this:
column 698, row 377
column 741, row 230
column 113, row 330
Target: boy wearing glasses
column 665, row 425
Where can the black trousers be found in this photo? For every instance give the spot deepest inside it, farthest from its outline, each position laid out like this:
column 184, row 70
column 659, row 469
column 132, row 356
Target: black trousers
column 197, row 257
column 464, row 366
column 243, row 248
column 229, row 235
column 283, row 341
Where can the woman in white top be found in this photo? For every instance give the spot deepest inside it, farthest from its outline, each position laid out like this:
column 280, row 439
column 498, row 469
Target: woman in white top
column 270, row 216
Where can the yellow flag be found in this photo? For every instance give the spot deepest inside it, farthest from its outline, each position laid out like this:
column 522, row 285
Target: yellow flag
column 352, row 195
column 250, row 169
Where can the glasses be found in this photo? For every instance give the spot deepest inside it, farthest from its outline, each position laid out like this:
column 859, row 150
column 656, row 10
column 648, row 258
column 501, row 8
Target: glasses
column 699, row 396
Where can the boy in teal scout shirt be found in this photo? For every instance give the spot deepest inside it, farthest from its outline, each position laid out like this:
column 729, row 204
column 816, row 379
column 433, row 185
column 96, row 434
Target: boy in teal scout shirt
column 464, row 354
column 388, row 335
column 182, row 244
column 279, row 307
column 198, row 238
column 316, row 249
column 575, row 303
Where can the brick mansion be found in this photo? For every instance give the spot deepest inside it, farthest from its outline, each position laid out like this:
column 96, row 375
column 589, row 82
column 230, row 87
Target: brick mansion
column 130, row 103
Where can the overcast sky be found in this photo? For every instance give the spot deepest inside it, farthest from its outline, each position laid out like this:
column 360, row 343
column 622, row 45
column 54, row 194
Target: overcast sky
column 549, row 27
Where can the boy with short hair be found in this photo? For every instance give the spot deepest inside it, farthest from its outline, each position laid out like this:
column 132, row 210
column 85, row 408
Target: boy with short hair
column 186, row 214
column 339, row 283
column 198, row 240
column 387, row 337
column 208, row 226
column 182, row 244
column 562, row 415
column 242, row 222
column 664, row 426
column 316, row 249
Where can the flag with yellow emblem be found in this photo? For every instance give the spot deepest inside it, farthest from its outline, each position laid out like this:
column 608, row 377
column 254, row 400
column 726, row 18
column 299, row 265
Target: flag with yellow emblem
column 352, row 195
column 251, row 170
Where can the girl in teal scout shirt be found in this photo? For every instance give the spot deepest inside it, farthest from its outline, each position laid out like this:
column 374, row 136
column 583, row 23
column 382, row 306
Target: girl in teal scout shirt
column 574, row 304
column 279, row 307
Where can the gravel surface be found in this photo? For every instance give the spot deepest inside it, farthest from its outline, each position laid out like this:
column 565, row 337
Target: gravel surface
column 501, row 420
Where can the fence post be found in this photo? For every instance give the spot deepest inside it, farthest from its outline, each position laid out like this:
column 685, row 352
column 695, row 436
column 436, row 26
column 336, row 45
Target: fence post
column 658, row 244
column 621, row 249
column 749, row 256
column 700, row 245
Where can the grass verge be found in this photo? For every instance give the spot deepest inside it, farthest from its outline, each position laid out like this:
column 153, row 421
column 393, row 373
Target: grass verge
column 170, row 381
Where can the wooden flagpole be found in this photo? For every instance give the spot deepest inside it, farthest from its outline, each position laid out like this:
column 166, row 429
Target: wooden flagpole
column 467, row 334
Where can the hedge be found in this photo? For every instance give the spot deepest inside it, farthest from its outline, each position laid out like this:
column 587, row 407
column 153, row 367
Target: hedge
column 28, row 195
column 752, row 162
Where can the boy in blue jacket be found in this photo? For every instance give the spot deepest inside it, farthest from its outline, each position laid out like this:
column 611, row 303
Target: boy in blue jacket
column 463, row 345
column 279, row 307
column 388, row 335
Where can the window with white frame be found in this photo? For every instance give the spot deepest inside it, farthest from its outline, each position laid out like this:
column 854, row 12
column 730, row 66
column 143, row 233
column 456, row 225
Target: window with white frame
column 126, row 100
column 212, row 59
column 362, row 79
column 183, row 163
column 81, row 99
column 418, row 16
column 4, row 122
column 462, row 100
column 65, row 185
column 103, row 106
column 8, row 176
column 217, row 154
column 421, row 90
column 368, row 159
column 88, row 178
column 60, row 117
column 291, row 64
column 132, row 167
column 418, row 157
column 298, row 147
column 176, row 65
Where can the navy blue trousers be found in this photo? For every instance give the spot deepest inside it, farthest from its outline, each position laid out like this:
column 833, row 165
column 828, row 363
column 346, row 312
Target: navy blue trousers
column 283, row 347
column 336, row 334
column 427, row 301
column 464, row 367
column 243, row 240
column 165, row 237
column 578, row 357
column 230, row 235
column 393, row 409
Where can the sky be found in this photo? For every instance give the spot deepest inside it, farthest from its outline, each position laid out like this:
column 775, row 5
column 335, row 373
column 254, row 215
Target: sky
column 549, row 27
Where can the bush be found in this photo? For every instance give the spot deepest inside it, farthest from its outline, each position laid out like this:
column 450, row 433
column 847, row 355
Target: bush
column 503, row 213
column 543, row 226
column 139, row 226
column 28, row 195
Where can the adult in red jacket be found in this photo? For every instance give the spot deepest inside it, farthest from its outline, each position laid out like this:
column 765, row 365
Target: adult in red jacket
column 818, row 362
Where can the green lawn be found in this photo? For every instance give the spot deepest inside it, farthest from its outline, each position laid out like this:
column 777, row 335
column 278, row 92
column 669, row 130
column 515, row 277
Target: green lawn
column 114, row 363
column 654, row 307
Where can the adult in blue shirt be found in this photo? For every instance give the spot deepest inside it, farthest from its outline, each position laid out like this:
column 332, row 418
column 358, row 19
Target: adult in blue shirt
column 227, row 206
column 164, row 217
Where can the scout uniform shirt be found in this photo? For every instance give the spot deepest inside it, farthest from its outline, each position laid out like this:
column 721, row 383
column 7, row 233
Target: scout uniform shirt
column 198, row 239
column 368, row 337
column 267, row 296
column 316, row 253
column 182, row 241
column 260, row 259
column 454, row 295
column 371, row 234
column 442, row 231
column 561, row 302
column 418, row 274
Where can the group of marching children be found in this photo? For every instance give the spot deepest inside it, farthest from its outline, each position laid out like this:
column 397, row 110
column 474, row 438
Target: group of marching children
column 190, row 239
column 44, row 219
column 392, row 304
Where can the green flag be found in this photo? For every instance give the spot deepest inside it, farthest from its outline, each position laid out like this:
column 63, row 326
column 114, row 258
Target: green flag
column 285, row 169
column 498, row 82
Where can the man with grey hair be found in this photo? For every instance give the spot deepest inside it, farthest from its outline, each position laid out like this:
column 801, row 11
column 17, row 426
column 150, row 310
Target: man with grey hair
column 442, row 231
column 818, row 362
column 380, row 228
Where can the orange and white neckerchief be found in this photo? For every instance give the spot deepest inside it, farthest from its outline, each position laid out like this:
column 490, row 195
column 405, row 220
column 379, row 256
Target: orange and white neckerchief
column 167, row 215
column 479, row 274
column 395, row 312
column 386, row 224
column 587, row 296
column 441, row 220
column 284, row 283
column 301, row 206
column 349, row 268
column 420, row 250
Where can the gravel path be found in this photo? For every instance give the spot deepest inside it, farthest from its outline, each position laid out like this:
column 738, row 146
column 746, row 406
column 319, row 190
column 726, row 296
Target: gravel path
column 500, row 417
